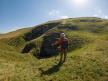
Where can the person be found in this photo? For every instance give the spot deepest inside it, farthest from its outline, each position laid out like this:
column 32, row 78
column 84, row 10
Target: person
column 63, row 43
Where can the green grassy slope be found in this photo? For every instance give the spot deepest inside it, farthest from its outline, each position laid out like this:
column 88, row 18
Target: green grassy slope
column 87, row 57
column 20, row 37
column 89, row 63
column 80, row 31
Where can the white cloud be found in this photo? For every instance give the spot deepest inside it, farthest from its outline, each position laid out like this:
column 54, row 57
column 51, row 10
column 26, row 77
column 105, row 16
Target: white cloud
column 64, row 17
column 95, row 15
column 106, row 17
column 56, row 14
column 99, row 13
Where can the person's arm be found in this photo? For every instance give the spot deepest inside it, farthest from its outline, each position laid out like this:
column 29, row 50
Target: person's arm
column 56, row 43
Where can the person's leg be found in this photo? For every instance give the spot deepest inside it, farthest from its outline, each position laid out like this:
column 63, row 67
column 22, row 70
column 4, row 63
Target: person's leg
column 61, row 56
column 65, row 55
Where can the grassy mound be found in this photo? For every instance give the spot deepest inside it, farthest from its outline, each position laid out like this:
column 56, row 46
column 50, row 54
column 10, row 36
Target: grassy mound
column 86, row 64
column 87, row 56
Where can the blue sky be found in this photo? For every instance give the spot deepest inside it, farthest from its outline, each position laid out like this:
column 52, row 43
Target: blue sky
column 16, row 14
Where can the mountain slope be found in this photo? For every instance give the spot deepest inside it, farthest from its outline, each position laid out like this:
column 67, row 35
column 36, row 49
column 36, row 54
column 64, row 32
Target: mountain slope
column 28, row 38
column 87, row 56
column 75, row 29
column 86, row 64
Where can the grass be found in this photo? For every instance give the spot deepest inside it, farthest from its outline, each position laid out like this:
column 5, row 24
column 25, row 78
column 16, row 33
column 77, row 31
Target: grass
column 89, row 62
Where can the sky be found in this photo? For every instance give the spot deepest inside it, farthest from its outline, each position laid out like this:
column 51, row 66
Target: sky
column 17, row 14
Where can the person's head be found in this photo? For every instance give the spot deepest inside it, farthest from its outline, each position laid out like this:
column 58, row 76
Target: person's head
column 62, row 35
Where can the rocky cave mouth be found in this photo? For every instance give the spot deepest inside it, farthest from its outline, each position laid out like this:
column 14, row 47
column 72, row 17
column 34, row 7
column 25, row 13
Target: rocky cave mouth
column 46, row 49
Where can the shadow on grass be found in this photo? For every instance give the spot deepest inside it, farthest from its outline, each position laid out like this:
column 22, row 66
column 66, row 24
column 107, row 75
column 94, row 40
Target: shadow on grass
column 52, row 70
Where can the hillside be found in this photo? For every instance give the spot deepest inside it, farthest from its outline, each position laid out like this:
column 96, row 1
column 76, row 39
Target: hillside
column 87, row 55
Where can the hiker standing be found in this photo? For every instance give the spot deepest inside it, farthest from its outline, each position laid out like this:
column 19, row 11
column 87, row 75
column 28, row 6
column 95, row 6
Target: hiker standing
column 63, row 43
